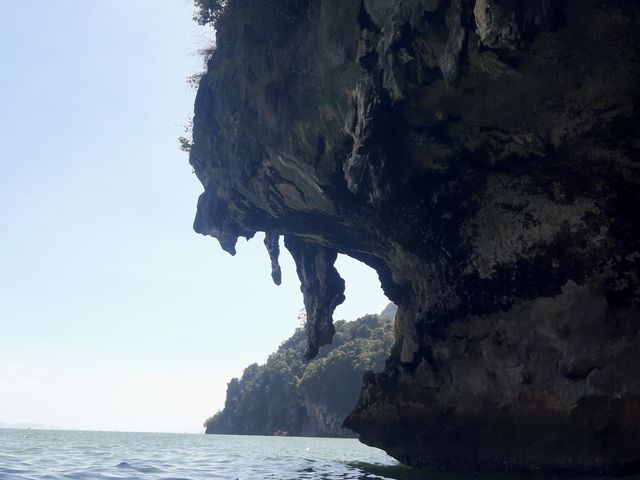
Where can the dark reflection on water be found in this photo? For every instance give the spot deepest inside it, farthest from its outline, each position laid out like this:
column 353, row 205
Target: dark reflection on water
column 403, row 472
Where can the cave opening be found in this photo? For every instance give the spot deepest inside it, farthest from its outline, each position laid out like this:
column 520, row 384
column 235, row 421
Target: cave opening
column 363, row 293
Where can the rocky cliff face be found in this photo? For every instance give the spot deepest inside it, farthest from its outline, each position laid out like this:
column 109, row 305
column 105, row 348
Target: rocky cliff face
column 483, row 157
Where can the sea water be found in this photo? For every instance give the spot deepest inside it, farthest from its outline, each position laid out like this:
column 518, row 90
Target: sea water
column 59, row 454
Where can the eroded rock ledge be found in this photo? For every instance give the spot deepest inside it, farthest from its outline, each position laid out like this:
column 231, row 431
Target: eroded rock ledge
column 483, row 157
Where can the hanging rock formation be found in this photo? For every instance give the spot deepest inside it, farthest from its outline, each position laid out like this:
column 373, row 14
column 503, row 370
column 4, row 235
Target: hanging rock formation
column 483, row 157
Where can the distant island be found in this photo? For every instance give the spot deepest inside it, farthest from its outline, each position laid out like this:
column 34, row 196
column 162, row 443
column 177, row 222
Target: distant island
column 32, row 426
column 287, row 396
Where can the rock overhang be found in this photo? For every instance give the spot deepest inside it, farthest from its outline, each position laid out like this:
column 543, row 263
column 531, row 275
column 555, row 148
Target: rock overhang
column 481, row 157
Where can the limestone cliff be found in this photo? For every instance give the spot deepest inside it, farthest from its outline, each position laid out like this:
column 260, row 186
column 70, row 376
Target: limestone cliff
column 483, row 157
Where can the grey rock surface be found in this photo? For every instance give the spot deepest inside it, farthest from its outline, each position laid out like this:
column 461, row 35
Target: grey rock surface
column 483, row 157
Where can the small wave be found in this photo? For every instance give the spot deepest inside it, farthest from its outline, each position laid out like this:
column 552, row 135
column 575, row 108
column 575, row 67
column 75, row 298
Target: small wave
column 140, row 468
column 13, row 470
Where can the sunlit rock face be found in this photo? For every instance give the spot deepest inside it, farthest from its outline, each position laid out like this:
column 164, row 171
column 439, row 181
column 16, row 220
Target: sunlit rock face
column 483, row 157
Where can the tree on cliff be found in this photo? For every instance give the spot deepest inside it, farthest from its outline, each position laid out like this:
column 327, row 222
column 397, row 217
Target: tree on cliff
column 208, row 11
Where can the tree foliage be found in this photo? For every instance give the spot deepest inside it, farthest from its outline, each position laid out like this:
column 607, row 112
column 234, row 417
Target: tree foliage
column 207, row 12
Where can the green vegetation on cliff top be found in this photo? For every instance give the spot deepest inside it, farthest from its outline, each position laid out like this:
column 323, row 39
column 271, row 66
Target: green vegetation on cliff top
column 288, row 396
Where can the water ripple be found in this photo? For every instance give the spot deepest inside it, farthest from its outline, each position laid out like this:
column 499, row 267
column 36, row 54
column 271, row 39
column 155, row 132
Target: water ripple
column 72, row 455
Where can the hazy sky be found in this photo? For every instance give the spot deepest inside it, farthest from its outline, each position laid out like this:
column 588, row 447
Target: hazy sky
column 114, row 314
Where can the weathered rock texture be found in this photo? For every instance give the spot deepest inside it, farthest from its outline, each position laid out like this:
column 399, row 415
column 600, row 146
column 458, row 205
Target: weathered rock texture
column 483, row 157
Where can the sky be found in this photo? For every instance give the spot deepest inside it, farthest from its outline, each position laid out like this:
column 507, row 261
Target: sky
column 114, row 314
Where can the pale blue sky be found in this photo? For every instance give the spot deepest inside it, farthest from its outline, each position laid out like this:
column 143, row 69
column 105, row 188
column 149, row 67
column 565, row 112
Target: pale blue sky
column 114, row 314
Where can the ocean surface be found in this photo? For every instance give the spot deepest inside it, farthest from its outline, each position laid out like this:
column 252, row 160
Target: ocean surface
column 60, row 454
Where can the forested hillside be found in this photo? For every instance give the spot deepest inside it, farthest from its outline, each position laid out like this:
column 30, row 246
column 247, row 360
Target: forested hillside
column 287, row 396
